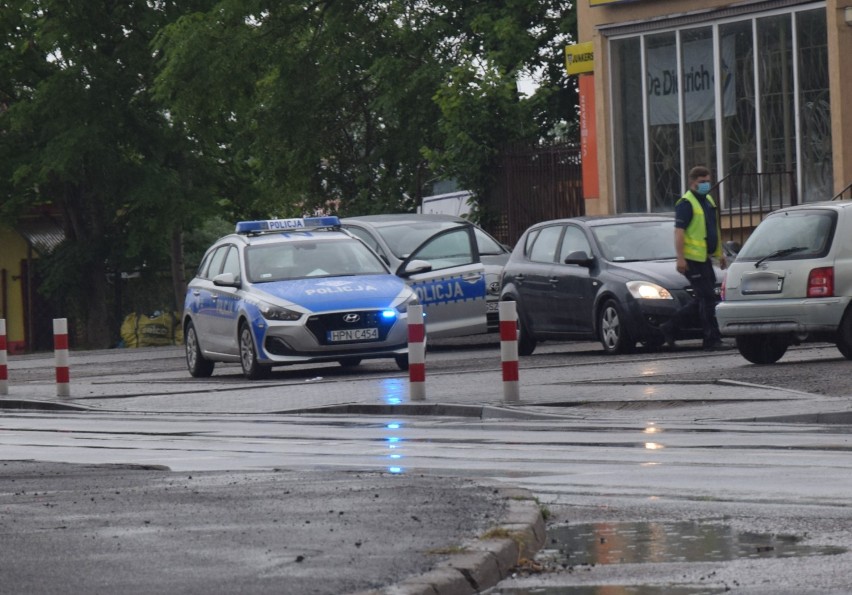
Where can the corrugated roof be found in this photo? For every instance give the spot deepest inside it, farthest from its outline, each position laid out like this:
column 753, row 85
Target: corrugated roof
column 42, row 233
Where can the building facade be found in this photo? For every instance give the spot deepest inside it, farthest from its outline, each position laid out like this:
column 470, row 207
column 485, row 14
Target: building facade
column 758, row 91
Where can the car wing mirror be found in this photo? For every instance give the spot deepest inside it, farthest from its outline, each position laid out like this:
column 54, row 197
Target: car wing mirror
column 416, row 266
column 731, row 248
column 579, row 258
column 226, row 280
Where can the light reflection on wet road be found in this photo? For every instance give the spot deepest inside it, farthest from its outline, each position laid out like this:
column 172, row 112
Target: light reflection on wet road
column 712, row 460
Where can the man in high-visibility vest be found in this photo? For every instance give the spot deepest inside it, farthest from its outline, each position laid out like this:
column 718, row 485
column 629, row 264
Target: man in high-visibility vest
column 698, row 238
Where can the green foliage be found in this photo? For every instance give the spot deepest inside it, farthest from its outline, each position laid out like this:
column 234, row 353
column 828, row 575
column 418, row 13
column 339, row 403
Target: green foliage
column 135, row 120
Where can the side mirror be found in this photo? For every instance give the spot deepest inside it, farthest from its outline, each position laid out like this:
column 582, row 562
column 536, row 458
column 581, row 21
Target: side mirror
column 579, row 258
column 731, row 248
column 416, row 266
column 226, row 280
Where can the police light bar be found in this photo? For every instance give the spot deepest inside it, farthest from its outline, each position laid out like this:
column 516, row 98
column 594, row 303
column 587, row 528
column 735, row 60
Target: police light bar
column 272, row 225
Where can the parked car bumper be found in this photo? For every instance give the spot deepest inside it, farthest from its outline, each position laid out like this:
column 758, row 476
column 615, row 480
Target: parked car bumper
column 798, row 316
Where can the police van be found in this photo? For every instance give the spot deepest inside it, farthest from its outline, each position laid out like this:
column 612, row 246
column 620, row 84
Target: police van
column 288, row 291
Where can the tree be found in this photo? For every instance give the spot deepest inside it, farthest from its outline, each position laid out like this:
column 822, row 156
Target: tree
column 80, row 131
column 353, row 105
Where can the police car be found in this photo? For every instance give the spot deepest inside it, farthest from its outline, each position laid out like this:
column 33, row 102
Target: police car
column 287, row 291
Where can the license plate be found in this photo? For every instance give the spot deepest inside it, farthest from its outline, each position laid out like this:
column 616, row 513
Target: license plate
column 762, row 283
column 492, row 306
column 353, row 334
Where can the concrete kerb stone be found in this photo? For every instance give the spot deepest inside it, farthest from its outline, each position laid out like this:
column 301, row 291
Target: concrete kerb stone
column 484, row 562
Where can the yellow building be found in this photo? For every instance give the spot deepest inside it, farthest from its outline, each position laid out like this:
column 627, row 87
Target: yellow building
column 27, row 313
column 764, row 100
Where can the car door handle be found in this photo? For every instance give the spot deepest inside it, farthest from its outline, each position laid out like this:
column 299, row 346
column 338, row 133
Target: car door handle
column 472, row 277
column 554, row 280
column 214, row 297
column 519, row 278
column 196, row 292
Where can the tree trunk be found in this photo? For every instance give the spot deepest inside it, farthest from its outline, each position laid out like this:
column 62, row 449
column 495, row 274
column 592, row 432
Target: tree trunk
column 178, row 270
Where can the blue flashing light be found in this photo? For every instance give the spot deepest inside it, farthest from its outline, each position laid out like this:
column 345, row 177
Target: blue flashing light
column 393, row 426
column 387, row 314
column 395, row 469
column 272, row 225
column 396, row 456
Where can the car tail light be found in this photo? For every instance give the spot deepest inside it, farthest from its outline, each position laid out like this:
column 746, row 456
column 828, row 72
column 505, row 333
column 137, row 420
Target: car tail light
column 821, row 282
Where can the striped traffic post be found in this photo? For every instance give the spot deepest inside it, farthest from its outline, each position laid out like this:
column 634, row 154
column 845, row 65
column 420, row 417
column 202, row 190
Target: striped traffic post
column 416, row 354
column 508, row 312
column 60, row 351
column 4, row 369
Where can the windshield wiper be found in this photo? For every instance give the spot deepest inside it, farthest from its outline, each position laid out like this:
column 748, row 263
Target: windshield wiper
column 780, row 253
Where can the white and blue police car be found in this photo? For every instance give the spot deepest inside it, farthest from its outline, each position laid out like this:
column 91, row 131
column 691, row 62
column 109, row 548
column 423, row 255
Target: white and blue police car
column 288, row 291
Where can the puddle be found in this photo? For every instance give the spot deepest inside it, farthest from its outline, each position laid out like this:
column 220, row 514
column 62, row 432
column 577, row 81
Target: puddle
column 615, row 590
column 649, row 542
column 632, row 543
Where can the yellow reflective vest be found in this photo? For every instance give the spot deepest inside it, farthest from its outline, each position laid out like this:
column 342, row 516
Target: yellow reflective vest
column 695, row 234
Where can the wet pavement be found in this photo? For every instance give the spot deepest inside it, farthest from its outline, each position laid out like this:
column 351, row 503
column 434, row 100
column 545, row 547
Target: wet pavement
column 673, row 473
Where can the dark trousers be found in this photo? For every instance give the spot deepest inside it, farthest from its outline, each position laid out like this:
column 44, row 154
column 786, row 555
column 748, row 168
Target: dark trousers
column 702, row 279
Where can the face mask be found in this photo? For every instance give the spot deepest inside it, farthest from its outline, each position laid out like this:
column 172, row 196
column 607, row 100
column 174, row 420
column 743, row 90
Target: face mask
column 703, row 187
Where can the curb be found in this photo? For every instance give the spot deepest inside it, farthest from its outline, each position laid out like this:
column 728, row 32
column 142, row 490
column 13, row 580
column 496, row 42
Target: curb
column 485, row 561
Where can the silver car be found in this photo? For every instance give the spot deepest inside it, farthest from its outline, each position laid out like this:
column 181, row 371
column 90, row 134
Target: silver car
column 792, row 282
column 289, row 291
column 453, row 265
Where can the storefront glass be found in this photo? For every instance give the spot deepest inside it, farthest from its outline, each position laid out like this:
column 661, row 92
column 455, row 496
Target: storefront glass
column 771, row 111
column 629, row 150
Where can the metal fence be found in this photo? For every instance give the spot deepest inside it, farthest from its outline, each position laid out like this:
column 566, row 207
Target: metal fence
column 534, row 184
column 845, row 194
column 747, row 198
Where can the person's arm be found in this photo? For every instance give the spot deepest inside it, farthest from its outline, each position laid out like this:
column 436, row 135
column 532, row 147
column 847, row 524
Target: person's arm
column 681, row 260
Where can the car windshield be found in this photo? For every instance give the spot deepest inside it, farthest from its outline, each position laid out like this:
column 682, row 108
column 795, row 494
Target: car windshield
column 636, row 240
column 295, row 260
column 402, row 239
column 791, row 235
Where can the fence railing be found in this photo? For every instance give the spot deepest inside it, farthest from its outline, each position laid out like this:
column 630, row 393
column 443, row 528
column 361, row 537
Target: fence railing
column 747, row 198
column 845, row 194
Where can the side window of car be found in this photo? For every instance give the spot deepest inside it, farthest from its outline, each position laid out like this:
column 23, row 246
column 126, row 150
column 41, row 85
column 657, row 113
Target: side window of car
column 544, row 248
column 368, row 239
column 216, row 262
column 447, row 250
column 232, row 263
column 574, row 240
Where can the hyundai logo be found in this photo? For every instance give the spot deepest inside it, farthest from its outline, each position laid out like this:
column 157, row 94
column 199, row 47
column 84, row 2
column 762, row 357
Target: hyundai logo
column 351, row 317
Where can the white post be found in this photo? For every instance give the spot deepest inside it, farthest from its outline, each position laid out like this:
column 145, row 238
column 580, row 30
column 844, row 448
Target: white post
column 4, row 369
column 416, row 354
column 60, row 351
column 509, row 350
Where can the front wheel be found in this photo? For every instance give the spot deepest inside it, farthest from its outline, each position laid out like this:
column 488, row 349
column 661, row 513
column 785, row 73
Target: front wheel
column 248, row 356
column 198, row 365
column 762, row 349
column 349, row 362
column 611, row 330
column 526, row 340
column 402, row 362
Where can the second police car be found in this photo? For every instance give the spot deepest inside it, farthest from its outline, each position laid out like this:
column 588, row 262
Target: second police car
column 286, row 291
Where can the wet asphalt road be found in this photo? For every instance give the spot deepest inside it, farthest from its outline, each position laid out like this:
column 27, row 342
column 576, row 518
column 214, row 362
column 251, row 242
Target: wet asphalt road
column 658, row 438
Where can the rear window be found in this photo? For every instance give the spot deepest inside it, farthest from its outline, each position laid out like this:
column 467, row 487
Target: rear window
column 791, row 235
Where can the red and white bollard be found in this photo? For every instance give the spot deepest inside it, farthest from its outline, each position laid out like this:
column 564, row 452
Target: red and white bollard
column 416, row 354
column 4, row 368
column 60, row 351
column 508, row 312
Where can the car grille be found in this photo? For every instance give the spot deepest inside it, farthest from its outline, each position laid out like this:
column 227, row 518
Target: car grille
column 320, row 324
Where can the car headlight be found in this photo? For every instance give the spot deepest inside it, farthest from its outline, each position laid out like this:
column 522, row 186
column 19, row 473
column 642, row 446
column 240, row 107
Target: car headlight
column 412, row 300
column 271, row 312
column 645, row 290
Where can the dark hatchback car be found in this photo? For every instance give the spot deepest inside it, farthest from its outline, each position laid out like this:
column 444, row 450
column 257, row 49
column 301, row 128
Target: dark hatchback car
column 610, row 278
